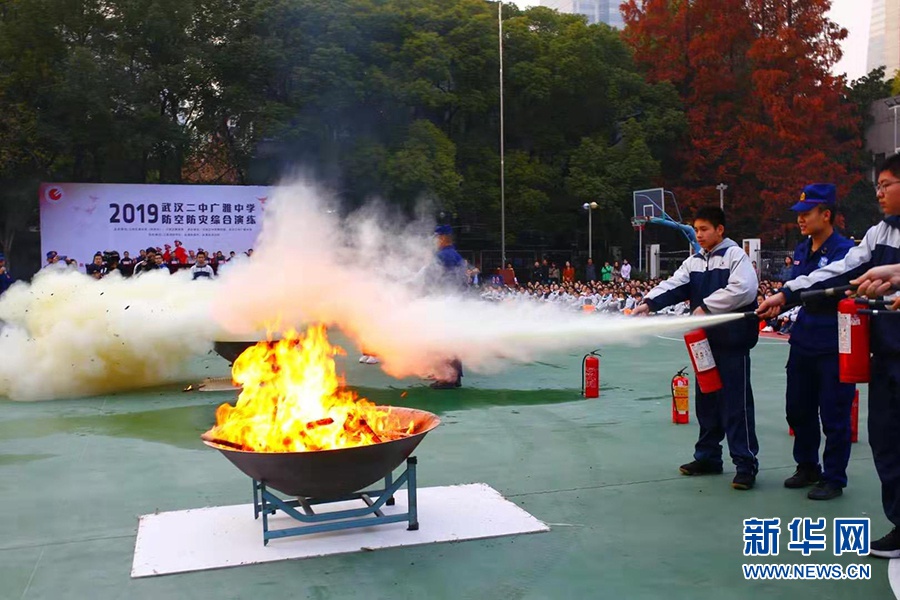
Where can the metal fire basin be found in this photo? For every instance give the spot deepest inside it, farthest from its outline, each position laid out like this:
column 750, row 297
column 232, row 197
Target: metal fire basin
column 230, row 350
column 334, row 476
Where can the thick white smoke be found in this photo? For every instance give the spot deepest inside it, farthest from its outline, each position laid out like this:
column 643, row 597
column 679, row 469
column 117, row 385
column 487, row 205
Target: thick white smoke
column 364, row 275
column 68, row 335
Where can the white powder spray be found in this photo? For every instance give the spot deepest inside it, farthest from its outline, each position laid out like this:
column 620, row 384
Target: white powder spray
column 364, row 275
column 68, row 335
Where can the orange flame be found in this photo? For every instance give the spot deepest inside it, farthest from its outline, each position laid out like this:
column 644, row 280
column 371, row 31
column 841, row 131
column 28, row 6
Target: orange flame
column 293, row 400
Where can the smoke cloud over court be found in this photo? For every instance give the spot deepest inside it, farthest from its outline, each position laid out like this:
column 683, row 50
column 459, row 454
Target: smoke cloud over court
column 366, row 273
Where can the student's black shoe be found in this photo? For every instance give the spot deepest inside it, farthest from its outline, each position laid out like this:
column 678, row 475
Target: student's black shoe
column 804, row 476
column 743, row 481
column 825, row 490
column 888, row 546
column 445, row 385
column 699, row 467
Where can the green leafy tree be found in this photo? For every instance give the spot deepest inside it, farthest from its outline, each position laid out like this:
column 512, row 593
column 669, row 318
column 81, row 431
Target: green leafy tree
column 390, row 98
column 609, row 174
column 424, row 165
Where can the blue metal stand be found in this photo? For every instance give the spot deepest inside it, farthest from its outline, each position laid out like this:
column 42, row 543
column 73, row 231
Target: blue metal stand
column 266, row 503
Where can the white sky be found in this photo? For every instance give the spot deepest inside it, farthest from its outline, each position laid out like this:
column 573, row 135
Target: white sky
column 851, row 14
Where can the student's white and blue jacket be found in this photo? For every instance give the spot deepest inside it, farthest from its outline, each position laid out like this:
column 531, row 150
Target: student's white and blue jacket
column 719, row 281
column 880, row 246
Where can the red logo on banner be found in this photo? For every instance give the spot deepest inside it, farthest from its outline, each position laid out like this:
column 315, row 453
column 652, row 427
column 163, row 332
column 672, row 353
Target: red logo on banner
column 54, row 194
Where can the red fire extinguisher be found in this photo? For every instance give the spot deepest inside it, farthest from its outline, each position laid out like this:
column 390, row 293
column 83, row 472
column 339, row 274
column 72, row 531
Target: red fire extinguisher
column 680, row 398
column 590, row 375
column 853, row 342
column 703, row 361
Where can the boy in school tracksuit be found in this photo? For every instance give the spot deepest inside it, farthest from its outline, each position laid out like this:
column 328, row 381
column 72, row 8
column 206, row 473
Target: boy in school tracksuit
column 814, row 389
column 880, row 246
column 720, row 279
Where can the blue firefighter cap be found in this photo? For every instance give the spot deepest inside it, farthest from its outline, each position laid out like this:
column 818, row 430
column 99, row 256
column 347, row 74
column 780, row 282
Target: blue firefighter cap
column 443, row 230
column 816, row 194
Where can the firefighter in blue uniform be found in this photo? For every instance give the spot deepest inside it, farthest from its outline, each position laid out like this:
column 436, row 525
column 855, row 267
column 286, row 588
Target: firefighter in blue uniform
column 880, row 247
column 6, row 279
column 450, row 275
column 814, row 389
column 720, row 279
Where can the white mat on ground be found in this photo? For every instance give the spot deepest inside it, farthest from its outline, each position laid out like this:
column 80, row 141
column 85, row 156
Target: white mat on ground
column 894, row 576
column 228, row 536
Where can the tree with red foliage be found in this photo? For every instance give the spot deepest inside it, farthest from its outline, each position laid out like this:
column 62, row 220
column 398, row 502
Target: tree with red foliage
column 793, row 136
column 766, row 116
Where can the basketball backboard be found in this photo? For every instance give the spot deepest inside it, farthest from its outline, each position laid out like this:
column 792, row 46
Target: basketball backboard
column 650, row 204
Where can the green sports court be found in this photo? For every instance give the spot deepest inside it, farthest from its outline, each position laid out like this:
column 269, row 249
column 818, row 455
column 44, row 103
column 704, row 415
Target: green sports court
column 76, row 475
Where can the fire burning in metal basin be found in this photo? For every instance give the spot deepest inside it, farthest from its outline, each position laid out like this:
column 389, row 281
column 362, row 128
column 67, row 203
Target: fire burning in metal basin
column 298, row 428
column 294, row 401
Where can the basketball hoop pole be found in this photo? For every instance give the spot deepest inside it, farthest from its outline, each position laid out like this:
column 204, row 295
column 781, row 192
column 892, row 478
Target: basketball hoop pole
column 639, row 223
column 641, row 248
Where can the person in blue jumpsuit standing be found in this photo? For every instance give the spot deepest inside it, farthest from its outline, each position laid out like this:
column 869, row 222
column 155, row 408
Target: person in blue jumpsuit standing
column 814, row 389
column 450, row 275
column 6, row 279
column 719, row 279
column 879, row 247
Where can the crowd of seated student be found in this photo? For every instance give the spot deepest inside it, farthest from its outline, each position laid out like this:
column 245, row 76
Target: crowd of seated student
column 201, row 263
column 615, row 295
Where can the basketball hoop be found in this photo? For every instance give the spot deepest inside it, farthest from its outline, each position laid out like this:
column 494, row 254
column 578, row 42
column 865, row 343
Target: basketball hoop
column 638, row 223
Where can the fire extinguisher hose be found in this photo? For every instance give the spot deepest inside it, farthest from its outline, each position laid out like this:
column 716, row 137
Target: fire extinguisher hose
column 834, row 291
column 877, row 303
column 879, row 313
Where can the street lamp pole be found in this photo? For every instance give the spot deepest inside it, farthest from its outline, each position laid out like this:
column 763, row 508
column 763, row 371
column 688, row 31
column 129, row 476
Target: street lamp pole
column 502, row 146
column 722, row 187
column 896, row 147
column 590, row 207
